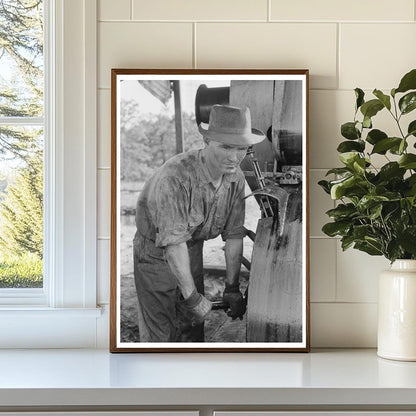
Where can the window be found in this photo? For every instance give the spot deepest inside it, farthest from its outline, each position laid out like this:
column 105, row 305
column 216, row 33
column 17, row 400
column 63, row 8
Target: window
column 63, row 313
column 21, row 143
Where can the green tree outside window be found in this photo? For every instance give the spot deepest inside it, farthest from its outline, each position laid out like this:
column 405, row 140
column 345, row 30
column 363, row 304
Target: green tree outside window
column 21, row 143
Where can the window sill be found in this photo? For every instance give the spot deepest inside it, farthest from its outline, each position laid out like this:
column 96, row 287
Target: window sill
column 35, row 311
column 40, row 327
column 22, row 297
column 331, row 379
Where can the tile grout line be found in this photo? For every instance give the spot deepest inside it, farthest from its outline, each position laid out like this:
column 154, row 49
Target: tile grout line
column 131, row 9
column 352, row 302
column 269, row 10
column 336, row 272
column 306, row 22
column 310, row 89
column 338, row 63
column 322, row 237
column 310, row 169
column 194, row 63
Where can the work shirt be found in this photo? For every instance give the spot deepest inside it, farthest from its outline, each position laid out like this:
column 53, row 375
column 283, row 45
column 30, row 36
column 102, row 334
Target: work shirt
column 180, row 202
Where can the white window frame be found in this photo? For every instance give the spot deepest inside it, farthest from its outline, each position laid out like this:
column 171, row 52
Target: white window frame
column 64, row 313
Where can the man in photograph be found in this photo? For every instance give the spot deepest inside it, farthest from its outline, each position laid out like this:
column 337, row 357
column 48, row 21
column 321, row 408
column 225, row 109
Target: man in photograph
column 195, row 196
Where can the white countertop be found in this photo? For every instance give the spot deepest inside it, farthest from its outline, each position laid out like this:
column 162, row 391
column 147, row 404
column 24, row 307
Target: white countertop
column 96, row 377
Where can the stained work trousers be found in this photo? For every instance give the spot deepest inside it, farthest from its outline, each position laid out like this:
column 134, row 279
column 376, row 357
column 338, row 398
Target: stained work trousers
column 162, row 318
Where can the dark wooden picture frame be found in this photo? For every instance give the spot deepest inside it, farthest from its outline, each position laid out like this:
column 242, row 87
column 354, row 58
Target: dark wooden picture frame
column 276, row 289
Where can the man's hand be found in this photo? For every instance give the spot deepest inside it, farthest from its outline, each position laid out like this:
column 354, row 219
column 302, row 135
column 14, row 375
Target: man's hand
column 234, row 299
column 197, row 307
column 232, row 295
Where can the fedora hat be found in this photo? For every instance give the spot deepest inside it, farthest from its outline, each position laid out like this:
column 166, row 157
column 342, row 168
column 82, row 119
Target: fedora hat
column 231, row 125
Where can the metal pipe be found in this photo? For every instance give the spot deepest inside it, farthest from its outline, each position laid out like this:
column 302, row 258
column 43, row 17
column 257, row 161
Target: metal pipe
column 264, row 201
column 178, row 116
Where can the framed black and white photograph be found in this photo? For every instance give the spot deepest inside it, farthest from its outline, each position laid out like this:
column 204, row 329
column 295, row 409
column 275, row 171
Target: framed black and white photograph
column 209, row 210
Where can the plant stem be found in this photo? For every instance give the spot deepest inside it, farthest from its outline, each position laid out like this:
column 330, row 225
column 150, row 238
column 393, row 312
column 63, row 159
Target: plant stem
column 388, row 234
column 397, row 118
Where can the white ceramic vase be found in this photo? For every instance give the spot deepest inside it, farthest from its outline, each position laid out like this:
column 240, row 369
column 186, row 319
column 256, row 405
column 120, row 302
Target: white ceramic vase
column 397, row 312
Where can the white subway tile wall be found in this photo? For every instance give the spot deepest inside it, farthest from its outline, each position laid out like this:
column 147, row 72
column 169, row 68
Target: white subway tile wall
column 270, row 45
column 103, row 270
column 352, row 10
column 114, row 10
column 357, row 275
column 104, row 128
column 345, row 44
column 104, row 202
column 339, row 325
column 142, row 45
column 323, row 269
column 319, row 203
column 375, row 55
column 200, row 10
column 328, row 109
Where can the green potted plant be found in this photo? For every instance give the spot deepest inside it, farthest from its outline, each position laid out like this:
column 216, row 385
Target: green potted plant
column 376, row 206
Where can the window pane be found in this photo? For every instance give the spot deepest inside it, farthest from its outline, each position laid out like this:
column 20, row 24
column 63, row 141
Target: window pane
column 21, row 207
column 21, row 58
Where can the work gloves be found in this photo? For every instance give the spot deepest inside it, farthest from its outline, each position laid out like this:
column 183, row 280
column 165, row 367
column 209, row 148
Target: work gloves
column 235, row 301
column 196, row 307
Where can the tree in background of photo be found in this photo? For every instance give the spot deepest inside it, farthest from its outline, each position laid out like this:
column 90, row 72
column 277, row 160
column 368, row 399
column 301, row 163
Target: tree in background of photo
column 21, row 213
column 21, row 146
column 148, row 141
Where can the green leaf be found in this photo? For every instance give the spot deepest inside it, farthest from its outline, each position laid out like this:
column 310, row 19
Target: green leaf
column 391, row 212
column 353, row 187
column 325, row 186
column 367, row 122
column 338, row 189
column 391, row 170
column 393, row 250
column 392, row 196
column 385, row 99
column 346, row 242
column 411, row 184
column 411, row 130
column 349, row 131
column 359, row 94
column 348, row 158
column 407, row 240
column 408, row 82
column 354, row 161
column 359, row 165
column 411, row 180
column 374, row 242
column 336, row 228
column 375, row 136
column 383, row 145
column 338, row 171
column 408, row 102
column 412, row 201
column 413, row 211
column 398, row 149
column 380, row 189
column 393, row 92
column 371, row 108
column 368, row 248
column 369, row 201
column 342, row 211
column 408, row 161
column 361, row 231
column 375, row 211
column 349, row 146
